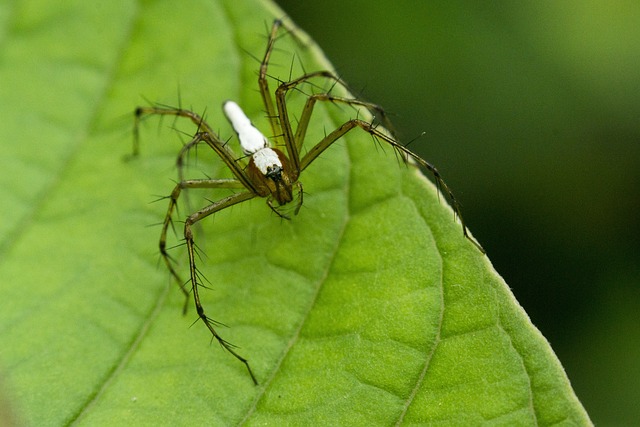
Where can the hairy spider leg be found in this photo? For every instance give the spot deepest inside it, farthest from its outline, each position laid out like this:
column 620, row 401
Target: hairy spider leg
column 264, row 84
column 168, row 221
column 279, row 123
column 368, row 127
column 190, row 243
column 188, row 235
column 294, row 142
column 205, row 134
column 192, row 220
column 243, row 182
column 405, row 153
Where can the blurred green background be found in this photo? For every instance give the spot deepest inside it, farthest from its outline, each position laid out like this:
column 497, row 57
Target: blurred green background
column 532, row 113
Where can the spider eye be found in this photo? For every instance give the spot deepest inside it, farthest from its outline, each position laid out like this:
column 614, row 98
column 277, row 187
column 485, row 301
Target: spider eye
column 274, row 172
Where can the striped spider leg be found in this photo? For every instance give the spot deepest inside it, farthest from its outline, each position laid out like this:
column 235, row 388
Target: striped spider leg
column 265, row 170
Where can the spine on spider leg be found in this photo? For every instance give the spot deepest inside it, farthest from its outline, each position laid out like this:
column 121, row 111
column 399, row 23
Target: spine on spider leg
column 442, row 187
column 138, row 112
column 406, row 153
column 208, row 321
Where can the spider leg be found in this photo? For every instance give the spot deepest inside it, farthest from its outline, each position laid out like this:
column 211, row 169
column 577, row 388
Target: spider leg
column 293, row 144
column 297, row 140
column 168, row 221
column 404, row 152
column 275, row 209
column 195, row 284
column 204, row 134
column 181, row 164
column 278, row 115
column 141, row 112
column 264, row 84
column 301, row 194
column 311, row 102
column 369, row 127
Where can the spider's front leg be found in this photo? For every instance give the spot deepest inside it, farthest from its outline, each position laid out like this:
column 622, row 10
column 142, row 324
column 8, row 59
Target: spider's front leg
column 194, row 275
column 193, row 271
column 168, row 221
column 241, row 181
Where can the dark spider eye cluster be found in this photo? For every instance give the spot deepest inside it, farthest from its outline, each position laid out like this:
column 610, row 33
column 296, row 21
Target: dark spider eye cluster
column 274, row 172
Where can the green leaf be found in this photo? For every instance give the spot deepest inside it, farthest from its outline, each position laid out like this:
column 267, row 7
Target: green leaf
column 368, row 308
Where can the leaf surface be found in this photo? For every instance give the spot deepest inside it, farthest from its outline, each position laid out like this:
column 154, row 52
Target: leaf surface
column 369, row 307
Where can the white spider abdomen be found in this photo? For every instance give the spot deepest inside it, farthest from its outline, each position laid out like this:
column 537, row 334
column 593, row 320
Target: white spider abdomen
column 251, row 139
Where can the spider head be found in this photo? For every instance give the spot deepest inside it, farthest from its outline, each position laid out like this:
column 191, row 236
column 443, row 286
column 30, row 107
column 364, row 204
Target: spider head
column 279, row 184
column 274, row 172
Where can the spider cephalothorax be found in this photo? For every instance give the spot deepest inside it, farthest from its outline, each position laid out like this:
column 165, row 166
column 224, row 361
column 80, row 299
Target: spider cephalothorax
column 268, row 167
column 268, row 172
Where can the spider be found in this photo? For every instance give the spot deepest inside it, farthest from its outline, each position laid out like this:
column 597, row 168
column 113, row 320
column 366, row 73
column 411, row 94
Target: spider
column 269, row 172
